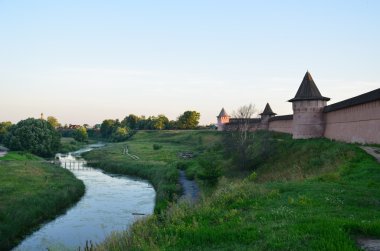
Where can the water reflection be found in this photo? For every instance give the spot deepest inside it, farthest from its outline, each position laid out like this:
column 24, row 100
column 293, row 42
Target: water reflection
column 111, row 203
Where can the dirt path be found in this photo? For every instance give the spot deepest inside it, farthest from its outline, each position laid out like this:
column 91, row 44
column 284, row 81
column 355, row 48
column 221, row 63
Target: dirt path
column 367, row 243
column 132, row 156
column 3, row 151
column 190, row 188
column 375, row 152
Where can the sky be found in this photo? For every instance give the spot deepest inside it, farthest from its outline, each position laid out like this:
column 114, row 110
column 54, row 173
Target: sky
column 86, row 61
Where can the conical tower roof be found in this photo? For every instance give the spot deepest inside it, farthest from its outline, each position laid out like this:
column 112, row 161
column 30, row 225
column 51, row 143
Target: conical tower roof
column 308, row 90
column 223, row 113
column 268, row 111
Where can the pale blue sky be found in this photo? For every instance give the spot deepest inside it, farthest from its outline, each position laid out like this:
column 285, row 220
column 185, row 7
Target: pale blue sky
column 85, row 61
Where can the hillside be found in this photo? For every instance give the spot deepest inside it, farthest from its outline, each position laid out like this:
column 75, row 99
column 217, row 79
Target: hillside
column 158, row 158
column 32, row 191
column 304, row 195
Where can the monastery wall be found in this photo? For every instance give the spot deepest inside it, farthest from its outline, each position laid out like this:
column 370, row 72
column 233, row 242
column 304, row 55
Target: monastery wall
column 355, row 124
column 281, row 124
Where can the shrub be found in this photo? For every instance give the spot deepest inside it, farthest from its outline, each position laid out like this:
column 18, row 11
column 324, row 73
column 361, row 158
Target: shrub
column 157, row 147
column 210, row 167
column 33, row 135
column 80, row 134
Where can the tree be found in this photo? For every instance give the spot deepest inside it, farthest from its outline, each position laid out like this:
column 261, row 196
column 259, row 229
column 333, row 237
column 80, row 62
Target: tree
column 189, row 120
column 80, row 134
column 4, row 127
column 130, row 121
column 33, row 135
column 239, row 139
column 120, row 134
column 172, row 125
column 211, row 168
column 107, row 128
column 159, row 123
column 53, row 122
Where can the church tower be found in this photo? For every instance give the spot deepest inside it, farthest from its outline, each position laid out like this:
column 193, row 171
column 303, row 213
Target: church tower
column 265, row 116
column 308, row 107
column 222, row 118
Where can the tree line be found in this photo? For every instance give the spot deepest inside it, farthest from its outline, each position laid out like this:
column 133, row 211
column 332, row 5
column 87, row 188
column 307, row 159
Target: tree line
column 116, row 130
column 42, row 137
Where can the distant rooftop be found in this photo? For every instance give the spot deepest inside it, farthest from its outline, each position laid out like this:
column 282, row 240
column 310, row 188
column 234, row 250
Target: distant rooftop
column 308, row 90
column 223, row 113
column 282, row 117
column 268, row 110
column 358, row 100
column 243, row 120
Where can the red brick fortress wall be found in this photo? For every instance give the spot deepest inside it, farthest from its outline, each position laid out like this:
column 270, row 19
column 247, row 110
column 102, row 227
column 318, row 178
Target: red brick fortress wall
column 359, row 123
column 281, row 124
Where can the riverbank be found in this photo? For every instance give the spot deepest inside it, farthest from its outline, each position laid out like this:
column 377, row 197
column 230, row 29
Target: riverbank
column 71, row 145
column 159, row 157
column 304, row 195
column 32, row 192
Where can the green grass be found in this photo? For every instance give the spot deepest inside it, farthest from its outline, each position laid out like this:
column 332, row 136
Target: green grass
column 71, row 145
column 20, row 156
column 308, row 195
column 158, row 166
column 32, row 191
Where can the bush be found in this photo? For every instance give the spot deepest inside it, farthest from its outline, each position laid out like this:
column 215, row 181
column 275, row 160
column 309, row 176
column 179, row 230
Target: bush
column 211, row 169
column 80, row 134
column 120, row 134
column 36, row 136
column 157, row 147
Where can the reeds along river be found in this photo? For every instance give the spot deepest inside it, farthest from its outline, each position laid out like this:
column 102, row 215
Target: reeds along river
column 111, row 203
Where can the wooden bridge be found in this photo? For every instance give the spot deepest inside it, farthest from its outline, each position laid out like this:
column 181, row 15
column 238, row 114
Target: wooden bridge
column 78, row 165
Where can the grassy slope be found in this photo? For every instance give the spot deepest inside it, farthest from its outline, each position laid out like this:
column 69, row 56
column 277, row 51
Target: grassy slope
column 32, row 192
column 308, row 195
column 158, row 166
column 71, row 145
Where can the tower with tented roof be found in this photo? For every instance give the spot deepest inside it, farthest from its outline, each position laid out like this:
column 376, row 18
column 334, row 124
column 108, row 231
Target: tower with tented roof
column 222, row 119
column 265, row 116
column 308, row 107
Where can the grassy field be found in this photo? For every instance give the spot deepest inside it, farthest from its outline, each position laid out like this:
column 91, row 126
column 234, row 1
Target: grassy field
column 304, row 195
column 158, row 166
column 32, row 192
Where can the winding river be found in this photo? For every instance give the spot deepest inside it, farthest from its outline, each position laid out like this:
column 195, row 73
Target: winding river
column 111, row 203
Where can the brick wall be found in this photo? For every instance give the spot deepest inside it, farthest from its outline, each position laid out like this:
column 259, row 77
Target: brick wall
column 359, row 123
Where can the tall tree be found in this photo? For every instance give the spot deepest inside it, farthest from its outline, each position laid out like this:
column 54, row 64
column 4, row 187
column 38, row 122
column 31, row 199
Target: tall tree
column 189, row 120
column 238, row 139
column 130, row 121
column 107, row 127
column 53, row 121
column 160, row 122
column 4, row 127
column 33, row 135
column 80, row 134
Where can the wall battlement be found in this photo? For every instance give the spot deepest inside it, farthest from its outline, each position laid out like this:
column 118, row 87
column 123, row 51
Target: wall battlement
column 353, row 120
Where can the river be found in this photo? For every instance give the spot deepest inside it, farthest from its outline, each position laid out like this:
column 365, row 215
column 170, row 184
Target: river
column 111, row 203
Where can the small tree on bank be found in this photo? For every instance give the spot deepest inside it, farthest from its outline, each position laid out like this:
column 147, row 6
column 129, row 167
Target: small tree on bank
column 239, row 139
column 80, row 134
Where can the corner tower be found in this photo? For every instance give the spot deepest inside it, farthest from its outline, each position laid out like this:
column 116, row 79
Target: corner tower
column 222, row 118
column 308, row 107
column 265, row 116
